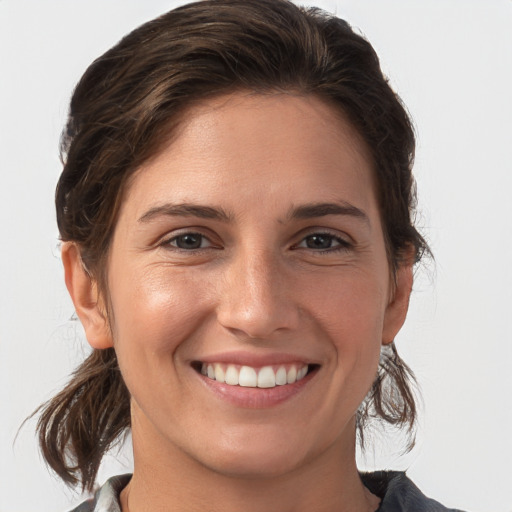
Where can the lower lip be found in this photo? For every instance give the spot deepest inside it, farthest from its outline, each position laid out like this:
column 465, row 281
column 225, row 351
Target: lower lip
column 256, row 398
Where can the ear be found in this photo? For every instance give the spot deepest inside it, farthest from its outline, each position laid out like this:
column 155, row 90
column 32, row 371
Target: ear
column 86, row 298
column 398, row 306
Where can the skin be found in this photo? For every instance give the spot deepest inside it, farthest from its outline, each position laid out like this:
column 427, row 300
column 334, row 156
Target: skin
column 257, row 286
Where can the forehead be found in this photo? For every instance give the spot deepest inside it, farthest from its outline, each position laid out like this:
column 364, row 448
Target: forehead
column 277, row 146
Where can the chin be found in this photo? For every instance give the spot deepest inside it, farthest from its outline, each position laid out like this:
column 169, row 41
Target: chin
column 258, row 455
column 252, row 466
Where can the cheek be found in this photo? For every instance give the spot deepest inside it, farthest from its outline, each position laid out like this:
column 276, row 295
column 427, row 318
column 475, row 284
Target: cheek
column 351, row 314
column 155, row 310
column 350, row 307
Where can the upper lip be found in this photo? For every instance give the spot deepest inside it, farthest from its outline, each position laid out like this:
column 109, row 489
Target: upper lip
column 255, row 360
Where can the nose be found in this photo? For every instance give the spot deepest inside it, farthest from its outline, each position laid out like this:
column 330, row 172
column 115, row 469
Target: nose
column 256, row 299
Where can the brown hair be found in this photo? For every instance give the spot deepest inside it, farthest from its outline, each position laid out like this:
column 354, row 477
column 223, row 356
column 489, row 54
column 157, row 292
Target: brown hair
column 130, row 99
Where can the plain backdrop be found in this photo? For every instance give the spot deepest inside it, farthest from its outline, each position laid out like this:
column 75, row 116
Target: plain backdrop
column 451, row 62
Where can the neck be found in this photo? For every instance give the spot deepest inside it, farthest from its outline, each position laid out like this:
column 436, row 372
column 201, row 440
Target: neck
column 169, row 479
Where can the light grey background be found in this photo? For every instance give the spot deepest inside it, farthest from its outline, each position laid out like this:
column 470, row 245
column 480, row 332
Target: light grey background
column 451, row 62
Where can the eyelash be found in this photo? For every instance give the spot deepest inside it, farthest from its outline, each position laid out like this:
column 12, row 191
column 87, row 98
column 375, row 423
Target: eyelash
column 169, row 241
column 343, row 245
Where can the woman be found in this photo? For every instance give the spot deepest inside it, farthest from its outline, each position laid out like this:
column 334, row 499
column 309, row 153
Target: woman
column 236, row 207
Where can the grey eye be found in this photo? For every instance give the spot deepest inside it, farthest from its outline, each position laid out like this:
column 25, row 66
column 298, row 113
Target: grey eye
column 320, row 241
column 189, row 241
column 323, row 243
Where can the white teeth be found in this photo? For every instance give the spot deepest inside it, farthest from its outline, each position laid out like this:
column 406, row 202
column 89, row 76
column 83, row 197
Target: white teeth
column 281, row 376
column 246, row 376
column 291, row 376
column 219, row 373
column 231, row 376
column 266, row 377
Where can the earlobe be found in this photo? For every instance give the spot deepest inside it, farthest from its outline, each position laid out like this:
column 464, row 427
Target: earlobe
column 86, row 298
column 398, row 306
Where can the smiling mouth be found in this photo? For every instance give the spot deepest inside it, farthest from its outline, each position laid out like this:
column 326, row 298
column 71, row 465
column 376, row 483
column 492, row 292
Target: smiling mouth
column 250, row 377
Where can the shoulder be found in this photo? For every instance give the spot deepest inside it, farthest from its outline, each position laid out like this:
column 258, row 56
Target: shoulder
column 106, row 498
column 399, row 494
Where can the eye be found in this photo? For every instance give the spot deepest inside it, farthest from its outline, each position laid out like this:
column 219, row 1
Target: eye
column 189, row 241
column 323, row 242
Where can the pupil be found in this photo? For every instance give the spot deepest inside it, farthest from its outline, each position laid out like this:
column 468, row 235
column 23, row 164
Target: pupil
column 319, row 242
column 189, row 241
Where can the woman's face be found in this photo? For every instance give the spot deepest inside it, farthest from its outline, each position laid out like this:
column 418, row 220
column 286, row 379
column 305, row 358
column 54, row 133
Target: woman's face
column 250, row 248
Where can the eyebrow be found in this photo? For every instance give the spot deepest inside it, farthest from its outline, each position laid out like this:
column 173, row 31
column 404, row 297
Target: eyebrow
column 312, row 210
column 306, row 211
column 186, row 210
